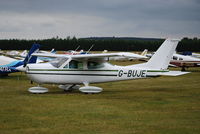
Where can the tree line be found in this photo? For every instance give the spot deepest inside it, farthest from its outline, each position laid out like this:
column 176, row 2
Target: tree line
column 100, row 44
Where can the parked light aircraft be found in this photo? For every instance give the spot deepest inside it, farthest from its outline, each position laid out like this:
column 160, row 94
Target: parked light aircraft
column 121, row 58
column 196, row 55
column 40, row 59
column 71, row 70
column 46, row 59
column 12, row 53
column 23, row 54
column 75, row 52
column 9, row 65
column 183, row 61
column 192, row 54
column 1, row 52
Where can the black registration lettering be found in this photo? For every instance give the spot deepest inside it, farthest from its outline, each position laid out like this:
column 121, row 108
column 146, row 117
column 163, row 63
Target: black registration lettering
column 120, row 73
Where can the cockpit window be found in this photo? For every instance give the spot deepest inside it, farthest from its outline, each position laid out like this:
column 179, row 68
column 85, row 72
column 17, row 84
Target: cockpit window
column 94, row 65
column 180, row 58
column 175, row 58
column 58, row 61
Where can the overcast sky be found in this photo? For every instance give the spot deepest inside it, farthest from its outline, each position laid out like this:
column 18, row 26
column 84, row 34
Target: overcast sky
column 38, row 19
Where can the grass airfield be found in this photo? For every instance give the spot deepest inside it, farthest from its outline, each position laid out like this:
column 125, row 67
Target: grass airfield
column 159, row 105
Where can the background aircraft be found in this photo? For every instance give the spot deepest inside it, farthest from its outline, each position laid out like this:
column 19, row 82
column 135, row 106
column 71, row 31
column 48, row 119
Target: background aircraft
column 12, row 53
column 188, row 53
column 183, row 61
column 46, row 59
column 122, row 58
column 9, row 65
column 196, row 55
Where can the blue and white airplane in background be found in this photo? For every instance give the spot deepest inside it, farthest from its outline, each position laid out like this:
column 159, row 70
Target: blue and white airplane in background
column 9, row 65
column 46, row 59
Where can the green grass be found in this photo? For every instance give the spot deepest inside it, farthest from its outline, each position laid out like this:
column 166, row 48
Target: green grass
column 160, row 105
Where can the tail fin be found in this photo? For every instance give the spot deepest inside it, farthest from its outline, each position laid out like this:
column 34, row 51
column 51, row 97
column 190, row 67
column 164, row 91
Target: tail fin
column 162, row 57
column 22, row 54
column 144, row 52
column 29, row 58
column 53, row 51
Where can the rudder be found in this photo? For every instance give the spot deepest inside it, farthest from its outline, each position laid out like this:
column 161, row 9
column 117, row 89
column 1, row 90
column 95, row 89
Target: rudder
column 161, row 58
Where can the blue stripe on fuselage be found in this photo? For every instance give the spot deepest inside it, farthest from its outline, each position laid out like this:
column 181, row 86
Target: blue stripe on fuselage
column 13, row 64
column 6, row 70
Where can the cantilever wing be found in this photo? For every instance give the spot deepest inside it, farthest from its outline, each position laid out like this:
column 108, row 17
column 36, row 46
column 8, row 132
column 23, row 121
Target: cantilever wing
column 173, row 73
column 91, row 56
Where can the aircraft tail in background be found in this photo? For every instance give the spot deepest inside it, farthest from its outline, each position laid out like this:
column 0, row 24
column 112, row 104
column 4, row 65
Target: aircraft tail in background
column 29, row 58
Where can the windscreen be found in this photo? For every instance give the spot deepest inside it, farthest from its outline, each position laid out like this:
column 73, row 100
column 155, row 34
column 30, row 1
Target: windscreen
column 58, row 61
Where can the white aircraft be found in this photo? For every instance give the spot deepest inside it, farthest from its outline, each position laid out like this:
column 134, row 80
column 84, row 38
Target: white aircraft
column 196, row 55
column 183, row 61
column 46, row 52
column 71, row 70
column 13, row 53
column 23, row 54
column 122, row 58
column 9, row 65
column 1, row 52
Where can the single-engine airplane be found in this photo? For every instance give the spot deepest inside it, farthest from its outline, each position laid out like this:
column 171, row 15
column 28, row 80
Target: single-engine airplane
column 122, row 58
column 184, row 61
column 71, row 70
column 9, row 65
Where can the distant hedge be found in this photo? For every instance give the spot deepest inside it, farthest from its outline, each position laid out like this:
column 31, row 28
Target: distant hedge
column 100, row 44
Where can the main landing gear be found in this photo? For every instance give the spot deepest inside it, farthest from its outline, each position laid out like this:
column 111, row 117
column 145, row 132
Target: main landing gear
column 38, row 90
column 69, row 88
column 90, row 89
column 85, row 89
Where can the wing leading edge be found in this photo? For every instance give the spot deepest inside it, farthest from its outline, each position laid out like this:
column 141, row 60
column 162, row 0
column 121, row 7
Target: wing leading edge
column 91, row 56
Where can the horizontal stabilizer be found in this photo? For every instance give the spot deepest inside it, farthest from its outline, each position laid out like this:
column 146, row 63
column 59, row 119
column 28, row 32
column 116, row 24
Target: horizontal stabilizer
column 173, row 73
column 171, row 65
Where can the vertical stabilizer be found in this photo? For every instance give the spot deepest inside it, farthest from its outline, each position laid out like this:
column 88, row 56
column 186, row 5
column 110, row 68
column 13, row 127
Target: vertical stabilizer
column 144, row 53
column 162, row 57
column 29, row 58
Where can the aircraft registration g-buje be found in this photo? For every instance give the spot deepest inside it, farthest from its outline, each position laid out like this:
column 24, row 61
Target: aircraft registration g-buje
column 71, row 70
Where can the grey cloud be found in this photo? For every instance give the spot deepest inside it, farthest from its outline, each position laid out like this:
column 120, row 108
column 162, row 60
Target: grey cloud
column 117, row 9
column 113, row 17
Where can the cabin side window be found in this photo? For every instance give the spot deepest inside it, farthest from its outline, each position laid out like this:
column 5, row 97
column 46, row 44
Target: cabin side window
column 175, row 58
column 180, row 58
column 75, row 64
column 94, row 65
column 66, row 66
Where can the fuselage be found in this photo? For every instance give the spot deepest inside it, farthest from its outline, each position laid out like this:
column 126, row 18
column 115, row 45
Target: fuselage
column 106, row 73
column 8, row 65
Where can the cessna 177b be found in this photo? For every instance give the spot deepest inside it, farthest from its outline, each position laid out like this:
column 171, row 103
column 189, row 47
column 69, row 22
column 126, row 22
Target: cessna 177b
column 184, row 61
column 71, row 70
